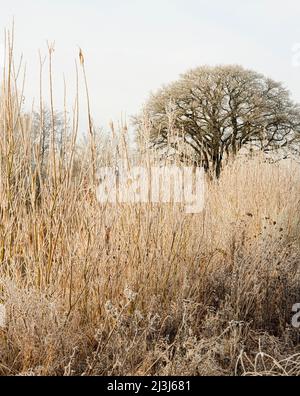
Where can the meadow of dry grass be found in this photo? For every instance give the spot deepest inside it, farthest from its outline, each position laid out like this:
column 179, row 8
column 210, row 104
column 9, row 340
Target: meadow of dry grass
column 143, row 290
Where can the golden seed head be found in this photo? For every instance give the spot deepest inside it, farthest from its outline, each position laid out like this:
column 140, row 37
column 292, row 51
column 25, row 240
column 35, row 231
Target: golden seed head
column 81, row 57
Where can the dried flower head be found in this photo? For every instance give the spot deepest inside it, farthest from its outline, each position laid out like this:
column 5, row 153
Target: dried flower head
column 81, row 57
column 130, row 294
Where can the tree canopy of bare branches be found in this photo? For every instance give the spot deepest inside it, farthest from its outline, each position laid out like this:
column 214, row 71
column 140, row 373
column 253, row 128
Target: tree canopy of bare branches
column 216, row 111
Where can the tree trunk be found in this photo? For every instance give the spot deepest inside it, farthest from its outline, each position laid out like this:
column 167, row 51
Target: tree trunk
column 218, row 168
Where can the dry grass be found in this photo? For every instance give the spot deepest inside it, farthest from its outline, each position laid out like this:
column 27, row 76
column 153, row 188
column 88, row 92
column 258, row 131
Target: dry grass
column 143, row 290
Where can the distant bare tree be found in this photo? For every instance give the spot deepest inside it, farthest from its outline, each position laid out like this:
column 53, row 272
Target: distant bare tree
column 218, row 110
column 41, row 134
column 42, row 130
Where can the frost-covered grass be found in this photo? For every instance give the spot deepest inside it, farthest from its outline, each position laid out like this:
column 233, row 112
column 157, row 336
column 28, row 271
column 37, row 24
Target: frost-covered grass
column 139, row 290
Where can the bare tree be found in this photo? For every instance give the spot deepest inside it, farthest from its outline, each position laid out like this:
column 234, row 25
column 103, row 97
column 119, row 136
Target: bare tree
column 42, row 126
column 42, row 135
column 216, row 111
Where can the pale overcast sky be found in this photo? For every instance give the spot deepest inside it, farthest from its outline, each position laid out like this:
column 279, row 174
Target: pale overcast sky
column 133, row 46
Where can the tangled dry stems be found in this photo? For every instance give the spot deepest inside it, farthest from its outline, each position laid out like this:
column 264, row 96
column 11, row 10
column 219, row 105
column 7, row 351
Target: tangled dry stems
column 143, row 289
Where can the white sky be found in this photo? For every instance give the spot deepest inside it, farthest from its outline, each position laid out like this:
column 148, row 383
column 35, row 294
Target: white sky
column 132, row 47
